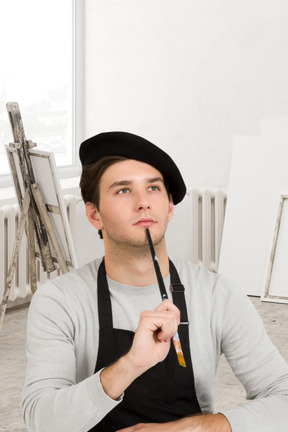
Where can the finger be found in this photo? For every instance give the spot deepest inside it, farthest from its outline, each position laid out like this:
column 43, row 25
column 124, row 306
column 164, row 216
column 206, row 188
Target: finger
column 167, row 305
column 163, row 324
column 134, row 428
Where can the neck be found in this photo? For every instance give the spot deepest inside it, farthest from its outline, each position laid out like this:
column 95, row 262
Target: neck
column 135, row 266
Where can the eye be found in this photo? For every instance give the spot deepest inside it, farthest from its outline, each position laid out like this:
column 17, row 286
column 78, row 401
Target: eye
column 154, row 188
column 122, row 191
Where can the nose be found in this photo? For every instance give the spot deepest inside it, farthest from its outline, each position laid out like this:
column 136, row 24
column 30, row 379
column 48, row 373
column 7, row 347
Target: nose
column 144, row 206
column 143, row 202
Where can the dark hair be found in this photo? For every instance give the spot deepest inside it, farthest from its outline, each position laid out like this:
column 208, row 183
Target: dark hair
column 91, row 176
column 90, row 180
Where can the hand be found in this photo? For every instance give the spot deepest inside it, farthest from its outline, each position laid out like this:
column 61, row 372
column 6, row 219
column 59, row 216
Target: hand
column 197, row 423
column 151, row 342
column 151, row 427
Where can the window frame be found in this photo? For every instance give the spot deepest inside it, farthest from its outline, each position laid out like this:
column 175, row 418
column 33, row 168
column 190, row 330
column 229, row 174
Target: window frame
column 77, row 97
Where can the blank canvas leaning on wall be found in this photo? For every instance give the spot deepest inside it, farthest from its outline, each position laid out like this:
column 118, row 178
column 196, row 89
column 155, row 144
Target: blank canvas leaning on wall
column 259, row 176
column 276, row 289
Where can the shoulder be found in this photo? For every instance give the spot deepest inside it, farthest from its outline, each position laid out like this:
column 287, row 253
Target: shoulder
column 205, row 283
column 76, row 284
column 195, row 275
column 215, row 299
column 65, row 302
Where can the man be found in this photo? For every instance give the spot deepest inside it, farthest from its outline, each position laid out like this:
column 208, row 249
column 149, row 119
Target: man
column 99, row 347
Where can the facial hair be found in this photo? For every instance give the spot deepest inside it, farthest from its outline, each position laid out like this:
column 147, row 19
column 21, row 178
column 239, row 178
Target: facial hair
column 136, row 245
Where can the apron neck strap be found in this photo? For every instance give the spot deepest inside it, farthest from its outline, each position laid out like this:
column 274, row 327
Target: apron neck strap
column 104, row 300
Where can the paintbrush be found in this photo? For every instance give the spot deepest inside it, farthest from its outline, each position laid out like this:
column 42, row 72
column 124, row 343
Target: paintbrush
column 164, row 296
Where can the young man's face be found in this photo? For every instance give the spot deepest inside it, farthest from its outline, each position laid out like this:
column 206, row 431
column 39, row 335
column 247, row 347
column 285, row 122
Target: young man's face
column 132, row 197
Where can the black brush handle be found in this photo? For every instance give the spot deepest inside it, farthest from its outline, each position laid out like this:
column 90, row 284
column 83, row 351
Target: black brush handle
column 163, row 292
column 161, row 284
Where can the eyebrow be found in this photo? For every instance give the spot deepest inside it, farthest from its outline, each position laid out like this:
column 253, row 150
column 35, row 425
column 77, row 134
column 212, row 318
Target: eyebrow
column 129, row 182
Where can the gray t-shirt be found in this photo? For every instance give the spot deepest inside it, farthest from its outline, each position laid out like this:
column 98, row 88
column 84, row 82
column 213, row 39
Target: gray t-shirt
column 62, row 392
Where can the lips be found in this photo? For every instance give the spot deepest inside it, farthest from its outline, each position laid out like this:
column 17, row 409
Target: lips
column 145, row 222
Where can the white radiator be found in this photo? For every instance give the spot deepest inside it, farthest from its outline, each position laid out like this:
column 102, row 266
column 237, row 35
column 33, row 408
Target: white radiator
column 207, row 219
column 195, row 231
column 20, row 289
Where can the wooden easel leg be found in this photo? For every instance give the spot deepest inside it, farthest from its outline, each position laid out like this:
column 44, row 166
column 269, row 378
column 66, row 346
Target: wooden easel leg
column 31, row 255
column 13, row 262
column 49, row 227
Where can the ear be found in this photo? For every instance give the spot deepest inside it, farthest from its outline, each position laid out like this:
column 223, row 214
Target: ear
column 93, row 215
column 170, row 208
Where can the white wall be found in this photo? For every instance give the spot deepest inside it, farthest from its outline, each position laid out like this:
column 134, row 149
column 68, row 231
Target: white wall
column 186, row 74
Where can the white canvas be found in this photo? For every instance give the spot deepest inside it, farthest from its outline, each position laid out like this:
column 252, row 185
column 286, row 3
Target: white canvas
column 276, row 287
column 45, row 173
column 259, row 176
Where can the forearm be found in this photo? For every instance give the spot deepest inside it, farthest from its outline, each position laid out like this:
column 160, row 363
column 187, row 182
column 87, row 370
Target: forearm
column 116, row 378
column 206, row 423
column 198, row 423
column 79, row 406
column 265, row 415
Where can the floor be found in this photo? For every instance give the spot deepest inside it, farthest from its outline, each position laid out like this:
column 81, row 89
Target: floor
column 228, row 391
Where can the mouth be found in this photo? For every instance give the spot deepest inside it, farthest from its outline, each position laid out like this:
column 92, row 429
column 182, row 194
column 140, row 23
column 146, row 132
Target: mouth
column 145, row 222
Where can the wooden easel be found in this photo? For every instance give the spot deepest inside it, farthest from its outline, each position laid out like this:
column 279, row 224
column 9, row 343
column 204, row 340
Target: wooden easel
column 34, row 213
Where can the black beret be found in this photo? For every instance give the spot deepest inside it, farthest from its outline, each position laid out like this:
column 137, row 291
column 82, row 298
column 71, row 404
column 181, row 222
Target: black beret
column 134, row 147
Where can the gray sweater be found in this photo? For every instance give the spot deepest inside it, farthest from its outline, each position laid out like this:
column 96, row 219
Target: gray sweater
column 62, row 392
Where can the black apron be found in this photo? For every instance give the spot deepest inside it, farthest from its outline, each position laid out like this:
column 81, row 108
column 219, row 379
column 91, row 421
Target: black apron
column 164, row 393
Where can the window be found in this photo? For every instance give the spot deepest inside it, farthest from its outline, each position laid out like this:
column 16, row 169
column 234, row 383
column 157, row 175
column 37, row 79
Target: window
column 37, row 45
